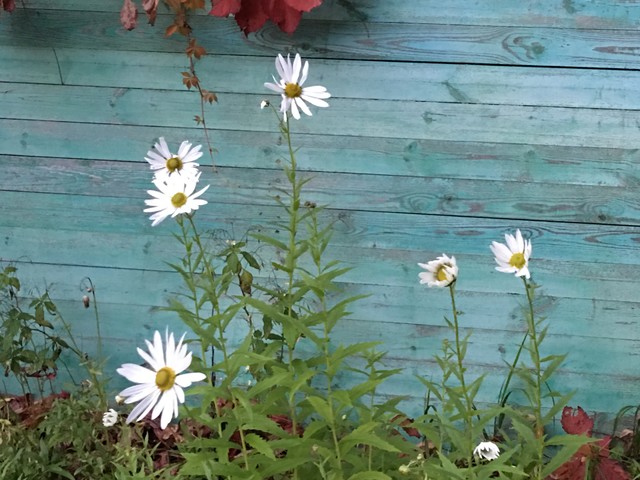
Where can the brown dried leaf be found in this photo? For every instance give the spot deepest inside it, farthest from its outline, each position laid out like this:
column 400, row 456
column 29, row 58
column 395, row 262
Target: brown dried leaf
column 208, row 96
column 193, row 4
column 129, row 15
column 171, row 29
column 151, row 7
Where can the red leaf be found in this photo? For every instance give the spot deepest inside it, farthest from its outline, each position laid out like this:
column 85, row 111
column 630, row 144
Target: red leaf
column 224, row 8
column 303, row 5
column 251, row 16
column 574, row 469
column 609, row 469
column 129, row 15
column 576, row 422
column 284, row 16
column 8, row 5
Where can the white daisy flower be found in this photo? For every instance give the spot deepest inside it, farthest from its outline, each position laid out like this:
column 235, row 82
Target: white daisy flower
column 175, row 197
column 159, row 388
column 486, row 451
column 440, row 272
column 167, row 164
column 110, row 418
column 514, row 256
column 294, row 95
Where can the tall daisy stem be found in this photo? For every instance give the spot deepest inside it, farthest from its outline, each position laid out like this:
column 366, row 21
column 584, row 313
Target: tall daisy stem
column 468, row 415
column 537, row 371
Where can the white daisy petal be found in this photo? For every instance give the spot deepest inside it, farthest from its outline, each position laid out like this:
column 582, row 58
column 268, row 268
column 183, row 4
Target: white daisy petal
column 295, row 73
column 305, row 73
column 315, row 101
column 142, row 409
column 159, row 390
column 513, row 257
column 135, row 373
column 294, row 98
column 179, row 394
column 138, row 392
column 186, row 379
column 174, row 189
column 441, row 272
column 303, row 106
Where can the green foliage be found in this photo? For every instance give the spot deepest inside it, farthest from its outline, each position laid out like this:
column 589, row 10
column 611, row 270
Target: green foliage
column 70, row 442
column 29, row 346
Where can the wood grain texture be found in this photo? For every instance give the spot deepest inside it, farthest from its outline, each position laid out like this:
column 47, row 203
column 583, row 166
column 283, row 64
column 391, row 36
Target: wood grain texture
column 500, row 198
column 408, row 81
column 541, row 46
column 460, row 159
column 418, row 120
column 450, row 125
column 605, row 14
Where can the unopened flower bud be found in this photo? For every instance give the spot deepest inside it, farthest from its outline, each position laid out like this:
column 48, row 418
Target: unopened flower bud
column 86, row 301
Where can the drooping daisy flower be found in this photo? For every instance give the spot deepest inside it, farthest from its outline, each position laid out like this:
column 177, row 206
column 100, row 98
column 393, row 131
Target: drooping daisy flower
column 514, row 256
column 440, row 272
column 487, row 451
column 175, row 197
column 294, row 95
column 159, row 388
column 167, row 164
column 109, row 418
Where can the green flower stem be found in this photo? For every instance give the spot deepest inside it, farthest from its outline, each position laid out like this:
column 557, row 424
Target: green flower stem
column 186, row 241
column 97, row 317
column 84, row 361
column 504, row 389
column 291, row 254
column 468, row 415
column 537, row 370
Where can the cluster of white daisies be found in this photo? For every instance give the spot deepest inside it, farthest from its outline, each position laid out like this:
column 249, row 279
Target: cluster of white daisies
column 511, row 257
column 160, row 381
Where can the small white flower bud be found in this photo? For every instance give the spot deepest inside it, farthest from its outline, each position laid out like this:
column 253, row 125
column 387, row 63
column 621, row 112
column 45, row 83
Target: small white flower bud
column 109, row 418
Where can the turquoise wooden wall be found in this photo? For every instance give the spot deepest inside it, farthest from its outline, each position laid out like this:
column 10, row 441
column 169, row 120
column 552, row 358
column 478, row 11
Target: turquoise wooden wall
column 451, row 123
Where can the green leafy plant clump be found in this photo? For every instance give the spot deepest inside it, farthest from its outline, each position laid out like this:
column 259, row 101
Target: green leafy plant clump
column 273, row 395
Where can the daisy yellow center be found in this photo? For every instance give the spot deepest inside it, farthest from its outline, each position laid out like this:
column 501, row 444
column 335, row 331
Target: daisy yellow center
column 174, row 163
column 292, row 90
column 441, row 274
column 178, row 200
column 517, row 260
column 165, row 378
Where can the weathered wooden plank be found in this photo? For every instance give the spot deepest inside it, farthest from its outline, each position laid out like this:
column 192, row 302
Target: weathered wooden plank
column 575, row 260
column 495, row 85
column 414, row 346
column 387, row 156
column 28, row 65
column 582, row 47
column 607, row 14
column 511, row 199
column 413, row 336
column 419, row 120
column 120, row 288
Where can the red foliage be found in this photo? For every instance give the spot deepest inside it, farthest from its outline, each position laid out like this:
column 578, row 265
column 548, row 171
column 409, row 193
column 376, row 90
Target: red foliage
column 8, row 5
column 129, row 15
column 576, row 422
column 251, row 15
column 594, row 456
